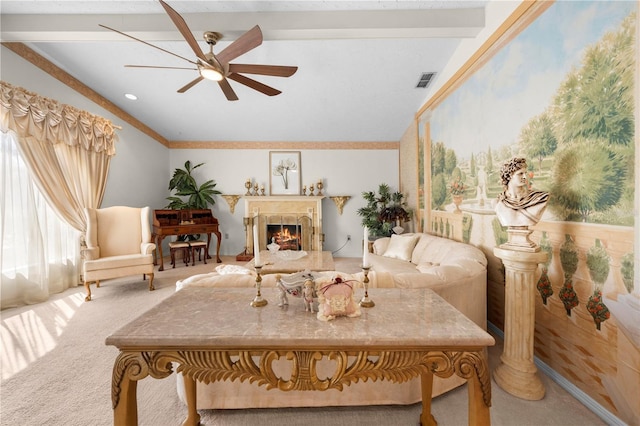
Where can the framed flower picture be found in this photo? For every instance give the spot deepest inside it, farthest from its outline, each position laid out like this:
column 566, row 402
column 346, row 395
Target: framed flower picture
column 284, row 172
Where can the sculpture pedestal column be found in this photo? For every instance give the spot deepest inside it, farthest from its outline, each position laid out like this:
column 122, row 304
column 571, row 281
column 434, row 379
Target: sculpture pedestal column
column 517, row 373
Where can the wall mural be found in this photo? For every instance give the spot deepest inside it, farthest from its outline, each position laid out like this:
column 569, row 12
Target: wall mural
column 561, row 94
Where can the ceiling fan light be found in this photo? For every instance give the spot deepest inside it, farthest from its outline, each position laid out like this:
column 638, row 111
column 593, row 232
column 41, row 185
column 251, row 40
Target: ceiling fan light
column 211, row 74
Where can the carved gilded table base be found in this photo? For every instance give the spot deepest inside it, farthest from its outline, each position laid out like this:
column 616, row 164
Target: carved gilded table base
column 351, row 366
column 213, row 334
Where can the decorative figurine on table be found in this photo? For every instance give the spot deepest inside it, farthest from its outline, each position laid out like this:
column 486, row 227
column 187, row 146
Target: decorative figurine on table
column 335, row 298
column 308, row 293
column 296, row 286
column 282, row 292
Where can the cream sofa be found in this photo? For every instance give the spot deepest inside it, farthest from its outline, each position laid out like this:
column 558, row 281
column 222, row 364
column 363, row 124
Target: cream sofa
column 455, row 271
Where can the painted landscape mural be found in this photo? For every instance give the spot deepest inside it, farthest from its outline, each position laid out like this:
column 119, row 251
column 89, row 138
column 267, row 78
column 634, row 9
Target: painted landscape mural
column 561, row 94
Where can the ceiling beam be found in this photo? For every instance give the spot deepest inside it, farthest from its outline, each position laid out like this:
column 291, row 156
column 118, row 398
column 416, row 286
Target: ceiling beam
column 449, row 23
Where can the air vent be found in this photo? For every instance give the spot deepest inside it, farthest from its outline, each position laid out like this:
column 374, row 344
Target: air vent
column 425, row 79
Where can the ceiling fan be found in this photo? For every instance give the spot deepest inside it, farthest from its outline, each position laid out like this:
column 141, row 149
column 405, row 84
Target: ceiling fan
column 217, row 67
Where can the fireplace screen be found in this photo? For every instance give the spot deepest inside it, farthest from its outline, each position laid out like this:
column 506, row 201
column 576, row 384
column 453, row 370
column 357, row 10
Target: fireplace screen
column 290, row 233
column 288, row 237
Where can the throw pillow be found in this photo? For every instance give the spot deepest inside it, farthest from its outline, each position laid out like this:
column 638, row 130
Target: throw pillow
column 401, row 246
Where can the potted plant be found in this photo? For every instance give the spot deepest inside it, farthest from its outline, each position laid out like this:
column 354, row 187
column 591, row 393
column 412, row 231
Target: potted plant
column 188, row 194
column 185, row 185
column 384, row 211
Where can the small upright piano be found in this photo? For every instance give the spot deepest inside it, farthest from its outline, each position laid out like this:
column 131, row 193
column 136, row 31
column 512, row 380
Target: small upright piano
column 184, row 222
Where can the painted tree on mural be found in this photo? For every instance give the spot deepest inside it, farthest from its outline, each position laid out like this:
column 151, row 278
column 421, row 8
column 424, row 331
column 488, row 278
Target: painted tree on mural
column 589, row 179
column 538, row 138
column 472, row 165
column 450, row 161
column 592, row 115
column 489, row 165
column 446, row 175
column 438, row 183
column 596, row 101
column 439, row 191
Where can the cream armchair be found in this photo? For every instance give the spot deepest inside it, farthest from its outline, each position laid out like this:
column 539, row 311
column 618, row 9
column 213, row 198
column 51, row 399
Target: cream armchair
column 118, row 243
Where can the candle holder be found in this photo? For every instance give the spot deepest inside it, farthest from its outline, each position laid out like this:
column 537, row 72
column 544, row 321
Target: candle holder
column 258, row 301
column 319, row 185
column 365, row 302
column 247, row 185
column 255, row 189
column 311, row 190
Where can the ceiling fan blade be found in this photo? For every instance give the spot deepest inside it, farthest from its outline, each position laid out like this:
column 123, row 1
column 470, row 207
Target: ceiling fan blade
column 256, row 85
column 184, row 30
column 190, row 85
column 155, row 66
column 228, row 90
column 274, row 70
column 148, row 44
column 247, row 41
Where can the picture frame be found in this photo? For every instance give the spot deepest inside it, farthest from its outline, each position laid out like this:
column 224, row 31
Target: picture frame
column 284, row 172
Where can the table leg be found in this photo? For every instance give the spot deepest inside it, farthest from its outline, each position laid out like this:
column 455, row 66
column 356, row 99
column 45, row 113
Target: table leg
column 124, row 391
column 126, row 412
column 479, row 413
column 426, row 381
column 219, row 236
column 159, row 239
column 193, row 418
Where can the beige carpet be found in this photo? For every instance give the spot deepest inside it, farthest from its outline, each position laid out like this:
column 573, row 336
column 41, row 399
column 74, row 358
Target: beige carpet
column 56, row 370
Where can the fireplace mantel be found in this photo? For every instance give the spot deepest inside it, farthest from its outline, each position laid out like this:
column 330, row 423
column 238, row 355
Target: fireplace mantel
column 264, row 207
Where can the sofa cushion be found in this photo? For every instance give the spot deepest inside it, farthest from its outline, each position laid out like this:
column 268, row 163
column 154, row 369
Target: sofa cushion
column 426, row 266
column 389, row 264
column 401, row 246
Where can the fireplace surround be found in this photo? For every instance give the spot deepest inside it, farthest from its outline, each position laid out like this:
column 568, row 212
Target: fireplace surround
column 291, row 219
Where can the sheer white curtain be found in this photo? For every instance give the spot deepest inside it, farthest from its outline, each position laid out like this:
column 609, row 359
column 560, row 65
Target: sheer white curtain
column 39, row 253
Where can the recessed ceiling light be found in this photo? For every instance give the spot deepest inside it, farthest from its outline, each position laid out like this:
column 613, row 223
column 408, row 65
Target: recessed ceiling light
column 130, row 96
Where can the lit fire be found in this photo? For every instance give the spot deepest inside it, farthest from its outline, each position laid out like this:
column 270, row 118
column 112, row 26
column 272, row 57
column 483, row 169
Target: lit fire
column 286, row 239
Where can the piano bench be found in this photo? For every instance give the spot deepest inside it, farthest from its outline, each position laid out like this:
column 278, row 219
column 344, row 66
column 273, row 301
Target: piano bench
column 199, row 246
column 179, row 246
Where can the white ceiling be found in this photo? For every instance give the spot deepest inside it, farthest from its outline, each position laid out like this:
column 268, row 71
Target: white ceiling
column 359, row 62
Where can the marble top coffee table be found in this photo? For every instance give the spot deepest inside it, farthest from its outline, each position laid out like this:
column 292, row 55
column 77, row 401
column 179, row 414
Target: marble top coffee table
column 313, row 261
column 409, row 333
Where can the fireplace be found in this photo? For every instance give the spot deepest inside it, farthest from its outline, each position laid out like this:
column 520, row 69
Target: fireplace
column 289, row 232
column 288, row 237
column 293, row 222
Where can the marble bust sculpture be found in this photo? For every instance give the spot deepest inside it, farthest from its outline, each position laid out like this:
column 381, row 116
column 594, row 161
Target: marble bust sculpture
column 518, row 205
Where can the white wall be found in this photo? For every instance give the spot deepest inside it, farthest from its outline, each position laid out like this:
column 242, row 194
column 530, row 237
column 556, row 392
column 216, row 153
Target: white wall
column 344, row 172
column 137, row 175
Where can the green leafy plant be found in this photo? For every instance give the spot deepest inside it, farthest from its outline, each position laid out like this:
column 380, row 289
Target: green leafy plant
column 185, row 185
column 384, row 210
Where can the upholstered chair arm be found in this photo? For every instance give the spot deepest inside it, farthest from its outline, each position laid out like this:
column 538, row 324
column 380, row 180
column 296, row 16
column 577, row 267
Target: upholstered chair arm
column 90, row 253
column 147, row 248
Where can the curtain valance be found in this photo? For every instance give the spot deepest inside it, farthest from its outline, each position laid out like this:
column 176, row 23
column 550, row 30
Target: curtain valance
column 29, row 114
